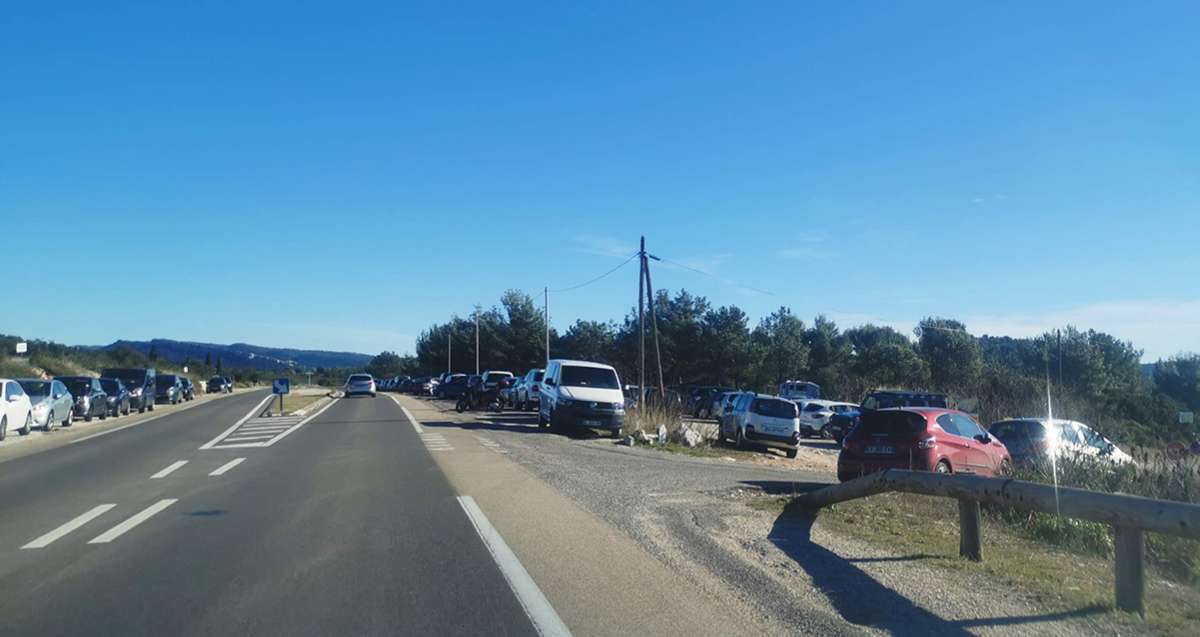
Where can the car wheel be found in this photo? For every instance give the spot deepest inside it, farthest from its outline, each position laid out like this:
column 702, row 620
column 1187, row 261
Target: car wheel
column 150, row 406
column 70, row 418
column 24, row 431
column 88, row 416
column 49, row 423
column 616, row 434
column 126, row 412
column 791, row 453
column 104, row 413
column 3, row 427
column 740, row 439
column 542, row 422
column 825, row 433
column 943, row 467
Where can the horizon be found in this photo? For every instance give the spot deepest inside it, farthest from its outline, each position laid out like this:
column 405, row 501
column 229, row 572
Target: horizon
column 975, row 163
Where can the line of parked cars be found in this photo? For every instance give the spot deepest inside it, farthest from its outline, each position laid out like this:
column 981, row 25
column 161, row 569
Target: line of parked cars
column 28, row 403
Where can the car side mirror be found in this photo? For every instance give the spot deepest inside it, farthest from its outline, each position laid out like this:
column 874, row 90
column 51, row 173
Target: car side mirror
column 549, row 381
column 57, row 396
column 984, row 438
column 13, row 398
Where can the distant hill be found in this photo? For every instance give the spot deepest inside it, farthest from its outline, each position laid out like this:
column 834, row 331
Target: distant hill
column 242, row 355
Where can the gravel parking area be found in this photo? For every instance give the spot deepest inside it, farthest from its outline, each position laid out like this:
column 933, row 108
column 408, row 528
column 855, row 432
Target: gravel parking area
column 696, row 514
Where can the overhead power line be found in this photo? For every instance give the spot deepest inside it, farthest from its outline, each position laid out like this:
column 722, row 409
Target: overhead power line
column 587, row 283
column 710, row 274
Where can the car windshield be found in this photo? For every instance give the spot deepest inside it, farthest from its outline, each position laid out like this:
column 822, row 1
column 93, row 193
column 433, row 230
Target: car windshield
column 36, row 388
column 109, row 386
column 78, row 387
column 600, row 377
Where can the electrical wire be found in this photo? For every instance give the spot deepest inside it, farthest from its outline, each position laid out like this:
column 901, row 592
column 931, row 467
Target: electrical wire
column 721, row 279
column 587, row 283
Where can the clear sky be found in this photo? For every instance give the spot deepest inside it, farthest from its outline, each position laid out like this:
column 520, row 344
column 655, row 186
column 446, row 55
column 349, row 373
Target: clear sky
column 341, row 175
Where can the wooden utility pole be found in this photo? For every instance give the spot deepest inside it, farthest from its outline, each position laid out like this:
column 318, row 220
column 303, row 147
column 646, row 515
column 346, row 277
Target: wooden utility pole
column 546, row 319
column 449, row 332
column 641, row 329
column 662, row 389
column 476, row 341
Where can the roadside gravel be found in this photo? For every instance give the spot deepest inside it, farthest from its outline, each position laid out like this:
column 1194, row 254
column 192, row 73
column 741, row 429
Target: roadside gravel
column 694, row 514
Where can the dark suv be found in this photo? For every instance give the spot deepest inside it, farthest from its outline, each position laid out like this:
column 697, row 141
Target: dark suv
column 170, row 389
column 90, row 399
column 841, row 424
column 141, row 384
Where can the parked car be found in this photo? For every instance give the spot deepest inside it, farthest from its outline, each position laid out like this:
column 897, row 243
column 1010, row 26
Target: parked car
column 529, row 391
column 189, row 390
column 51, row 402
column 815, row 415
column 14, row 408
column 840, row 423
column 841, row 426
column 700, row 400
column 722, row 403
column 218, row 385
column 799, row 390
column 360, row 385
column 169, row 389
column 1033, row 440
column 118, row 396
column 90, row 399
column 493, row 378
column 505, row 391
column 762, row 419
column 580, row 394
column 921, row 439
column 422, row 386
column 453, row 387
column 141, row 383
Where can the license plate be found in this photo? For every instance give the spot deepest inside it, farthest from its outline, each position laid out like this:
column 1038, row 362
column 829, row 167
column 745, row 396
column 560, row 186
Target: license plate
column 591, row 423
column 881, row 449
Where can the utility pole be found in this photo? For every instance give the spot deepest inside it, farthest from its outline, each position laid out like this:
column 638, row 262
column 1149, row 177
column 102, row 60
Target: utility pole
column 641, row 329
column 1060, row 384
column 662, row 390
column 449, row 333
column 546, row 319
column 476, row 340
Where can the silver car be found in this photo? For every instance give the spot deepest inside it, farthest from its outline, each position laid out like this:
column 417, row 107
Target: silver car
column 360, row 384
column 51, row 402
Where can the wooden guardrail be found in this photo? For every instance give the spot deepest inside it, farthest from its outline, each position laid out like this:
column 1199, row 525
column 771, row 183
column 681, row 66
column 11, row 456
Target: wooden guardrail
column 1130, row 516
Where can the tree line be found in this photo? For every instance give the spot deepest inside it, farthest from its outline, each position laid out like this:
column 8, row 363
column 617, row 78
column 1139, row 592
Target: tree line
column 1091, row 376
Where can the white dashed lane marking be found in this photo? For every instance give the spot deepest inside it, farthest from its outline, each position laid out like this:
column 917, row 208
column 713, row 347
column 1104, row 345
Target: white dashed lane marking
column 168, row 470
column 75, row 523
column 126, row 526
column 227, row 466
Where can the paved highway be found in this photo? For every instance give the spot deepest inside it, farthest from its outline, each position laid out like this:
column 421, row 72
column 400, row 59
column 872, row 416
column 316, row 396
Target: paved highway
column 344, row 526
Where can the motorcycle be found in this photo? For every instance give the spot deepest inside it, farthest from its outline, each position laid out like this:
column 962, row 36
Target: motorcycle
column 471, row 400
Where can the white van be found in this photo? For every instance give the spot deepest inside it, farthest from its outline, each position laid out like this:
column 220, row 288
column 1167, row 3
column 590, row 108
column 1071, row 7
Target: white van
column 762, row 419
column 799, row 390
column 579, row 394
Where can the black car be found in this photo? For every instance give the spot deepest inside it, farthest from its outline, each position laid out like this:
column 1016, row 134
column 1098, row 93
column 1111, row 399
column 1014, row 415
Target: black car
column 700, row 400
column 454, row 387
column 141, row 383
column 840, row 424
column 90, row 399
column 189, row 390
column 170, row 389
column 219, row 385
column 118, row 396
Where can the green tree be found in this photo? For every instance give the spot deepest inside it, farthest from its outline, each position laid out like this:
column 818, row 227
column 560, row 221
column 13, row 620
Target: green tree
column 883, row 357
column 727, row 357
column 954, row 357
column 208, row 359
column 589, row 341
column 153, row 355
column 387, row 364
column 1179, row 378
column 828, row 356
column 779, row 342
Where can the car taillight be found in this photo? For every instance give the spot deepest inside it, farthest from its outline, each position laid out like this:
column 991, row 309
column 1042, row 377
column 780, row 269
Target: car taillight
column 927, row 443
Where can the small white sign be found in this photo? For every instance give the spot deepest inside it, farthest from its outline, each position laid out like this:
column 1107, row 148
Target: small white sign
column 22, row 347
column 1186, row 417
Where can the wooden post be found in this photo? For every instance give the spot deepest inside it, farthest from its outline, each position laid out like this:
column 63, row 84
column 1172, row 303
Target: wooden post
column 970, row 542
column 1129, row 568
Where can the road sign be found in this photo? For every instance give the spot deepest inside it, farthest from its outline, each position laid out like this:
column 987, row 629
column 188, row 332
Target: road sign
column 280, row 386
column 22, row 347
column 1187, row 417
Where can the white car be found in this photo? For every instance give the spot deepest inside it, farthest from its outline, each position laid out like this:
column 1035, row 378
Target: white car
column 15, row 410
column 1031, row 439
column 762, row 419
column 583, row 395
column 815, row 414
column 529, row 390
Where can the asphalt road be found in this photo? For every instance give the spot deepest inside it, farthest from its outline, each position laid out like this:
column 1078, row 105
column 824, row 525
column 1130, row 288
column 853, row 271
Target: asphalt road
column 345, row 526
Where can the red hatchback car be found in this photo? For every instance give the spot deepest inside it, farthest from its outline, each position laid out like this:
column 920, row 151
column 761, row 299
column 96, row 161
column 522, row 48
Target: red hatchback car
column 922, row 439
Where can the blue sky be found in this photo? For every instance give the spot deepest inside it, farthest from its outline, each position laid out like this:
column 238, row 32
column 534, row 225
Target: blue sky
column 342, row 175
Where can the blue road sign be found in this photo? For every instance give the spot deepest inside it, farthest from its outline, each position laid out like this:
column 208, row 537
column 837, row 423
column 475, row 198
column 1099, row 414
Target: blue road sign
column 280, row 386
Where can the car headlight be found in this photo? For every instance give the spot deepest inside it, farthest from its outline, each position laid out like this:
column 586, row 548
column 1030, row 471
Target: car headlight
column 40, row 408
column 136, row 393
column 618, row 406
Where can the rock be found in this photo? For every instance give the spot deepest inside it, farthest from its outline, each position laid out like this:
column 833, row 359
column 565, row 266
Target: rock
column 662, row 434
column 691, row 437
column 627, row 441
column 641, row 438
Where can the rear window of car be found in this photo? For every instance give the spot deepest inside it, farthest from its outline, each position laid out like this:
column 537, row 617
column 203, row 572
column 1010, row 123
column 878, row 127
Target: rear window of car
column 892, row 423
column 1012, row 431
column 589, row 377
column 773, row 408
column 360, row 378
column 166, row 379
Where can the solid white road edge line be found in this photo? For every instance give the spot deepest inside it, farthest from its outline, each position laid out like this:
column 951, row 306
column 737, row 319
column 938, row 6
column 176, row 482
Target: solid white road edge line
column 120, row 529
column 227, row 466
column 537, row 607
column 257, row 409
column 416, row 425
column 300, row 424
column 46, row 539
column 169, row 469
